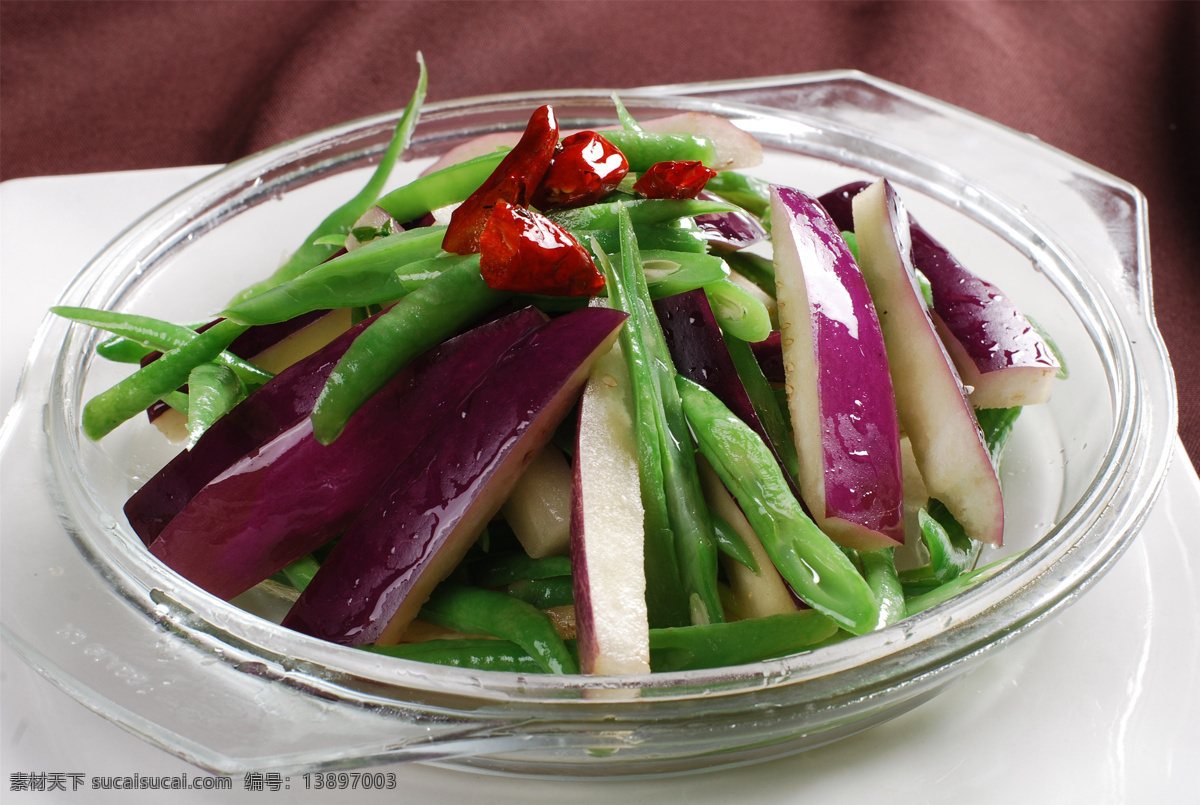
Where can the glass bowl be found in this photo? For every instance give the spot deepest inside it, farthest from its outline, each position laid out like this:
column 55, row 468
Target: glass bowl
column 226, row 688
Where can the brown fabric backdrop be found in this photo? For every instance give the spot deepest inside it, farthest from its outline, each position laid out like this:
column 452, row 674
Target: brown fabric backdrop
column 117, row 85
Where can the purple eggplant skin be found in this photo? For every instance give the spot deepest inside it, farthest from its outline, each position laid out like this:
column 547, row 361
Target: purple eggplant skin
column 993, row 334
column 276, row 406
column 769, row 354
column 844, row 412
column 292, row 494
column 423, row 519
column 698, row 349
column 699, row 353
column 729, row 231
column 839, row 203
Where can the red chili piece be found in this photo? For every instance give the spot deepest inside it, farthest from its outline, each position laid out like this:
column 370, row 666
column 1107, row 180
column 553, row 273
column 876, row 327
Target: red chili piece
column 524, row 252
column 514, row 181
column 682, row 179
column 585, row 169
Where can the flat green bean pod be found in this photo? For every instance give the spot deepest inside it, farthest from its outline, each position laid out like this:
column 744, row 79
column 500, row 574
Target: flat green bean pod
column 695, row 545
column 417, row 323
column 442, row 188
column 808, row 560
column 316, row 249
column 748, row 192
column 365, row 276
column 136, row 393
column 739, row 642
column 213, row 391
column 475, row 611
column 501, row 570
column 644, row 148
column 666, row 603
column 738, row 312
column 641, row 212
column 156, row 334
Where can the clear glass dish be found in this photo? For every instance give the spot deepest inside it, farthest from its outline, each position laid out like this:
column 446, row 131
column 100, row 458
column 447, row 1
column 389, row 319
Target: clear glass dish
column 229, row 690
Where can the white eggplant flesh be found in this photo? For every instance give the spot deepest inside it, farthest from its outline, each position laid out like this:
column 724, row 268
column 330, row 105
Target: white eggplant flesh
column 755, row 595
column 607, row 532
column 839, row 388
column 934, row 410
column 539, row 508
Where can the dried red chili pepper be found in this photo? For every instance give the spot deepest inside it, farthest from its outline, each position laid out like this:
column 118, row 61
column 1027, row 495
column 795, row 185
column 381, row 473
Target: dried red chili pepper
column 524, row 252
column 514, row 181
column 683, row 179
column 585, row 169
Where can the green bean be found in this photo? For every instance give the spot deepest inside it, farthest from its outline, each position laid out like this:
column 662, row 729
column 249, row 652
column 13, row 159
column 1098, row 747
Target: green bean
column 418, row 322
column 442, row 188
column 134, row 394
column 695, row 548
column 160, row 335
column 781, row 402
column 738, row 642
column 748, row 192
column 852, row 244
column 686, row 648
column 679, row 235
column 624, row 191
column 474, row 611
column 757, row 269
column 922, row 281
column 917, row 581
column 879, row 569
column 177, row 400
column 944, row 592
column 997, row 426
column 480, row 654
column 498, row 571
column 455, row 182
column 670, row 273
column 144, row 330
column 311, row 252
column 666, row 603
column 730, row 542
column 123, row 350
column 628, row 123
column 738, row 311
column 762, row 397
column 558, row 591
column 414, row 275
column 644, row 148
column 816, row 569
column 641, row 212
column 301, row 572
column 1063, row 372
column 951, row 551
column 213, row 391
column 365, row 276
column 667, row 273
column 337, row 240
